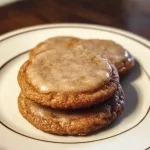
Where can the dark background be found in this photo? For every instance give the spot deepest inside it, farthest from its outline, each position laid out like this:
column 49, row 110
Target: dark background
column 131, row 15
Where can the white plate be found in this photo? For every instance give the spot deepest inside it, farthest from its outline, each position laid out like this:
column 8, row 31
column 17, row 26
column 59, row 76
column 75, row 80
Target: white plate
column 130, row 131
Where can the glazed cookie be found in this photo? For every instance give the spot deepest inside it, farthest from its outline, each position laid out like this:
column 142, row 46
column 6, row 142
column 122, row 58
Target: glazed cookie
column 66, row 79
column 72, row 122
column 55, row 42
column 114, row 52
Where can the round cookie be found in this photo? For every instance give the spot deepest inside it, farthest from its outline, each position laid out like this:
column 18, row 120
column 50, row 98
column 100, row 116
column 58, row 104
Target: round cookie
column 72, row 122
column 55, row 42
column 114, row 52
column 67, row 79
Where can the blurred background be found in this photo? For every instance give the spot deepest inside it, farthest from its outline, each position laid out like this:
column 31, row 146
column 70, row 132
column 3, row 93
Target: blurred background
column 131, row 15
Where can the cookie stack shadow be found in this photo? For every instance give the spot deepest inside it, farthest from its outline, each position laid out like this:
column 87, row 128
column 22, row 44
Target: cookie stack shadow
column 69, row 91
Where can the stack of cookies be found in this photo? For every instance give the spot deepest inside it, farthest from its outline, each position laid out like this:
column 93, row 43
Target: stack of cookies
column 69, row 87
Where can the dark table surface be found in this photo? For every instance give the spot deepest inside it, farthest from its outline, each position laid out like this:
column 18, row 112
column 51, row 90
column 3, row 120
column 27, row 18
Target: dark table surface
column 131, row 15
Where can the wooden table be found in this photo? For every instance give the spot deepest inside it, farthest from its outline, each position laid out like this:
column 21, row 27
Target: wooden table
column 131, row 15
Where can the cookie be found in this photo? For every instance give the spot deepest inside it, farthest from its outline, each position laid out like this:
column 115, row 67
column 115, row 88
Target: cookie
column 55, row 42
column 68, row 79
column 114, row 52
column 72, row 122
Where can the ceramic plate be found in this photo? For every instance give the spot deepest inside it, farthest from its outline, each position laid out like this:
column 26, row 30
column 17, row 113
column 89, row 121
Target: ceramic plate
column 131, row 131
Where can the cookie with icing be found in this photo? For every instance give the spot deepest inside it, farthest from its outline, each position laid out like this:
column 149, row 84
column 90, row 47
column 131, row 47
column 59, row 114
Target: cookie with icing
column 68, row 78
column 114, row 52
column 72, row 122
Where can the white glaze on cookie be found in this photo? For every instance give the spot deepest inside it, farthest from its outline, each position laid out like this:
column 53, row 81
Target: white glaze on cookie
column 55, row 42
column 106, row 48
column 68, row 70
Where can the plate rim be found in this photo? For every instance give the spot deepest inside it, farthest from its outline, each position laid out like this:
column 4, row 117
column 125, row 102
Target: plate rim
column 118, row 30
column 95, row 27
